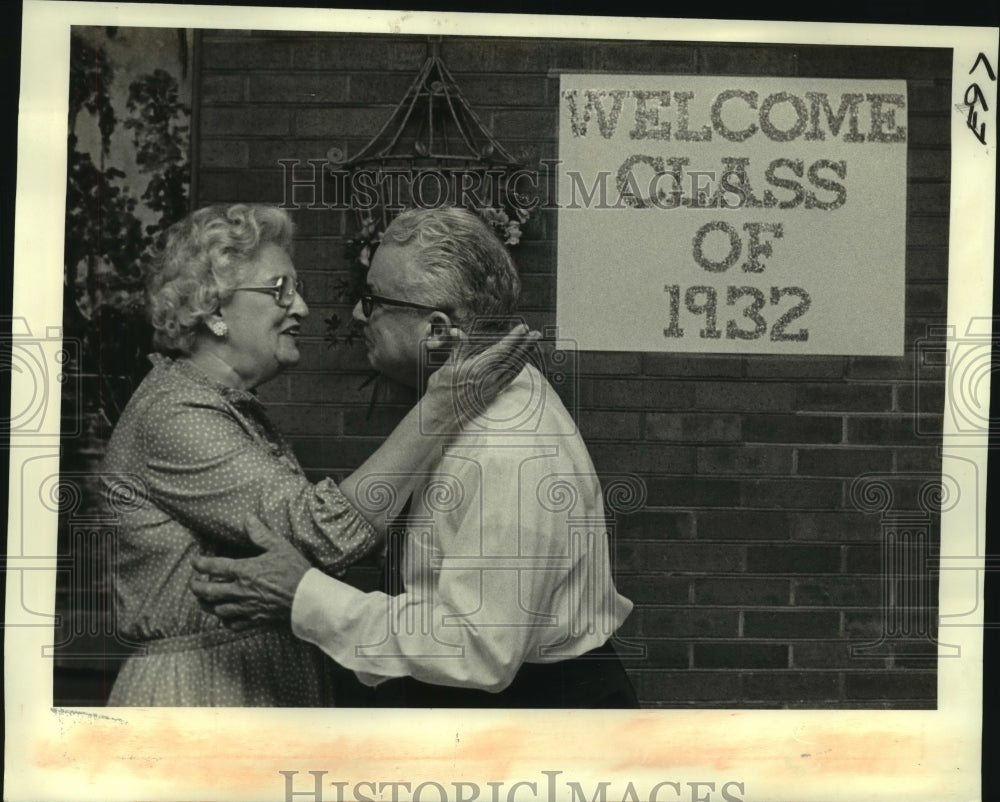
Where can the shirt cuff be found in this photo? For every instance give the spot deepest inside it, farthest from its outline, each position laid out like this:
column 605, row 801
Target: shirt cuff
column 319, row 606
column 324, row 613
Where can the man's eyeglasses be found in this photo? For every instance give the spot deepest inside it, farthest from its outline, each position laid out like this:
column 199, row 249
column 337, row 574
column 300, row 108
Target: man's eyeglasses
column 368, row 302
column 283, row 291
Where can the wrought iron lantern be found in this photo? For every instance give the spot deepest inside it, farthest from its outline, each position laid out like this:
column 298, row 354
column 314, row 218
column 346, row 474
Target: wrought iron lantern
column 433, row 140
column 433, row 150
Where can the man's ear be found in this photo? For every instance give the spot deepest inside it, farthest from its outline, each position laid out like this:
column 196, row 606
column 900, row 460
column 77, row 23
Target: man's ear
column 440, row 331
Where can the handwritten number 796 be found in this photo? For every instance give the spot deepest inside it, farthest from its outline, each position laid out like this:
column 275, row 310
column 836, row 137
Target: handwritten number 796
column 974, row 98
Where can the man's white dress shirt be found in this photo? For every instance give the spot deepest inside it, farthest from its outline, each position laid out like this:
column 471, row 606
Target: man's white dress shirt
column 506, row 559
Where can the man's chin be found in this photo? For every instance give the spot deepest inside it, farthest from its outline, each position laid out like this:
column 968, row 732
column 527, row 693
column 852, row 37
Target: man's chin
column 289, row 359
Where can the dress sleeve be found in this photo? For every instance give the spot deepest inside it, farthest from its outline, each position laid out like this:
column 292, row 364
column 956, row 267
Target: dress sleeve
column 207, row 470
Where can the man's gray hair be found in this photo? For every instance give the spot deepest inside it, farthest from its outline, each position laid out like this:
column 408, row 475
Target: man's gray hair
column 471, row 273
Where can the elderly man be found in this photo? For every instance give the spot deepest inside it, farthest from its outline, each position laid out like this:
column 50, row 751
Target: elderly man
column 507, row 596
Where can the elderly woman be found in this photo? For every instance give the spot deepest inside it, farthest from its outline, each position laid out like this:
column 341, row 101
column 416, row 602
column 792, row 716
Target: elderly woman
column 198, row 448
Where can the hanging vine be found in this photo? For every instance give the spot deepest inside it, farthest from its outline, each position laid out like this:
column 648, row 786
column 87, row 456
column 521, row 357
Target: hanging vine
column 107, row 242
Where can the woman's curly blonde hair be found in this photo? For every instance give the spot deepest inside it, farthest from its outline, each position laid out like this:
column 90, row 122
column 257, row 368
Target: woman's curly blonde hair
column 202, row 264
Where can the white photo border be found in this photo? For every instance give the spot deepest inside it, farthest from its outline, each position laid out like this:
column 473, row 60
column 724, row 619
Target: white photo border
column 221, row 754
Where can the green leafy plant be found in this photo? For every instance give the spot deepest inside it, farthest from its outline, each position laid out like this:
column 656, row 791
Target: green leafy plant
column 110, row 234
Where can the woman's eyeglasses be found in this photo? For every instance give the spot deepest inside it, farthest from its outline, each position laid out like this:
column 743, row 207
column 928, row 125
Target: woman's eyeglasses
column 368, row 302
column 283, row 291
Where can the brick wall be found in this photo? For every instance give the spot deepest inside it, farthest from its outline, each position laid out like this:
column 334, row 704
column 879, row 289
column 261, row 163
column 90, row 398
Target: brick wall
column 753, row 571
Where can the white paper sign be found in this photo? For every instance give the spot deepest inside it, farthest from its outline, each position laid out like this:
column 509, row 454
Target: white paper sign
column 732, row 214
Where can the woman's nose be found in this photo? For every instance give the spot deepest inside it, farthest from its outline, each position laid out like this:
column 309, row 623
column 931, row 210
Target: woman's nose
column 299, row 306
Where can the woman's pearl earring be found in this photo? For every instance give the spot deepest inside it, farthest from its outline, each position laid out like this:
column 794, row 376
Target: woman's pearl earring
column 219, row 328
